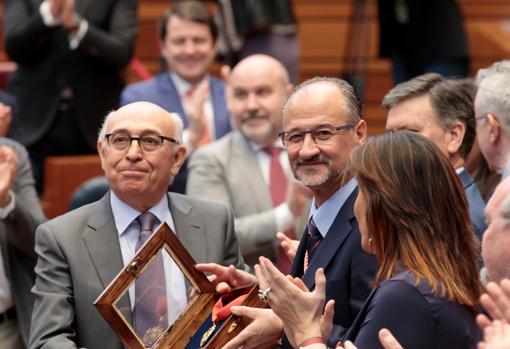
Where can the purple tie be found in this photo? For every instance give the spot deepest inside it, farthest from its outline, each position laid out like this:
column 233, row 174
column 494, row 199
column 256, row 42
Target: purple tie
column 150, row 312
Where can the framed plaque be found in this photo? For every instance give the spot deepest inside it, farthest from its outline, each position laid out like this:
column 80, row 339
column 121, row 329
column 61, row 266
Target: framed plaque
column 198, row 325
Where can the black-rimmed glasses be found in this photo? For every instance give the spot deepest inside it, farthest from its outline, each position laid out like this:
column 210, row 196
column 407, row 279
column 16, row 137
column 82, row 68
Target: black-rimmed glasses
column 148, row 143
column 320, row 135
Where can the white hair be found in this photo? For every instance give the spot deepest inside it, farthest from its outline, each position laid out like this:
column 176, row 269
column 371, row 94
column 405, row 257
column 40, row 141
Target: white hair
column 498, row 67
column 493, row 96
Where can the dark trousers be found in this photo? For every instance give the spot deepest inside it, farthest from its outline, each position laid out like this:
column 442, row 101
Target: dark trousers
column 403, row 71
column 63, row 138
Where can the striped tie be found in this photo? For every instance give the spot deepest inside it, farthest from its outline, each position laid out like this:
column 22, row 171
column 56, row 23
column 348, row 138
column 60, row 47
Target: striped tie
column 313, row 240
column 150, row 314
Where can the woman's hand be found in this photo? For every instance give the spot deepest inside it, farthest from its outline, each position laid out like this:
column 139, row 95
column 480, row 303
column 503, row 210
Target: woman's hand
column 298, row 308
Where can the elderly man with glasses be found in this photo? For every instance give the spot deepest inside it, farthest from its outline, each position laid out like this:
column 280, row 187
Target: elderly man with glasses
column 79, row 253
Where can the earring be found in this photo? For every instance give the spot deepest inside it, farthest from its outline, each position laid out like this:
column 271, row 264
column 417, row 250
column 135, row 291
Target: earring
column 370, row 241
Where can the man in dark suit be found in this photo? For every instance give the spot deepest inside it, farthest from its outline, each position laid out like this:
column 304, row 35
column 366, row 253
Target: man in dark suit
column 322, row 124
column 188, row 36
column 140, row 146
column 423, row 36
column 441, row 110
column 70, row 55
column 20, row 213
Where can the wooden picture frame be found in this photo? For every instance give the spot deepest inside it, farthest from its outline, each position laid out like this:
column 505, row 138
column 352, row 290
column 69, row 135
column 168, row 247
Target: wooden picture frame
column 199, row 307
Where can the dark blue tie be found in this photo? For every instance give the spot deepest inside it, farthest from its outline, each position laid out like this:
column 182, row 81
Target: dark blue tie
column 314, row 238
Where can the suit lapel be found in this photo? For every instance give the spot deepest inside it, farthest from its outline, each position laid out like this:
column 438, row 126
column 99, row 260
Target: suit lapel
column 102, row 242
column 249, row 168
column 172, row 99
column 327, row 250
column 299, row 259
column 189, row 228
column 221, row 119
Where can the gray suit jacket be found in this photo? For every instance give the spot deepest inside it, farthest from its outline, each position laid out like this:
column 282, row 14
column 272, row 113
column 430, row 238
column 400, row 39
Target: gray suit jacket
column 79, row 254
column 227, row 172
column 17, row 238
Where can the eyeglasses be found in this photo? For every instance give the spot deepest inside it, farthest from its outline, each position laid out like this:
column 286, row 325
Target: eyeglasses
column 148, row 143
column 320, row 135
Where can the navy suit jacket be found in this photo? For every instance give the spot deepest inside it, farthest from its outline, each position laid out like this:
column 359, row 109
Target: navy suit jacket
column 475, row 202
column 161, row 90
column 417, row 318
column 349, row 271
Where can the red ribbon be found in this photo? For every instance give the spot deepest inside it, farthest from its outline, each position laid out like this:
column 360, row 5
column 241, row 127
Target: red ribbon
column 221, row 312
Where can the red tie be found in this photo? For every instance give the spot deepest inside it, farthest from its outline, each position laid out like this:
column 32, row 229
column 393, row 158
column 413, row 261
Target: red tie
column 278, row 188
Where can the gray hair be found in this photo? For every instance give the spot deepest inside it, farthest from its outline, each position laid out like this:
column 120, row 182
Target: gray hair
column 493, row 97
column 176, row 119
column 498, row 67
column 452, row 100
column 352, row 99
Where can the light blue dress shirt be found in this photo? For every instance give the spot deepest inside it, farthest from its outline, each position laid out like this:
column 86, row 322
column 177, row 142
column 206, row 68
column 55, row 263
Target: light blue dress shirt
column 128, row 228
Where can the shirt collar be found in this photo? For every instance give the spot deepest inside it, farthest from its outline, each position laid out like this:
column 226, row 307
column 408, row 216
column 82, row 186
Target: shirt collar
column 182, row 85
column 325, row 214
column 459, row 170
column 257, row 147
column 124, row 215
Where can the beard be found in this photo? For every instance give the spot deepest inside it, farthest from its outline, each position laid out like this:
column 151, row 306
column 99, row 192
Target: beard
column 312, row 177
column 259, row 134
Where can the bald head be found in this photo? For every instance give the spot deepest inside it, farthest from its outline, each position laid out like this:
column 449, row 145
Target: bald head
column 261, row 65
column 140, row 158
column 143, row 110
column 256, row 89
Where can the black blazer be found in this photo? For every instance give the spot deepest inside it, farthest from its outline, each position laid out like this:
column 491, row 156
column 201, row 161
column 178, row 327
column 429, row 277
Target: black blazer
column 46, row 64
column 435, row 31
column 349, row 271
column 417, row 318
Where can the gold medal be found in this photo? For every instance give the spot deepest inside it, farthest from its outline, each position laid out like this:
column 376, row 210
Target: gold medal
column 152, row 335
column 207, row 334
column 220, row 312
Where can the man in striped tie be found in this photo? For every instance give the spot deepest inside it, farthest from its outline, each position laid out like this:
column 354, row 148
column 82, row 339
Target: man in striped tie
column 322, row 124
column 80, row 253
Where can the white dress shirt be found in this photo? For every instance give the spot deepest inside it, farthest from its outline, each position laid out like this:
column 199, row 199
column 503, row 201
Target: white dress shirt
column 283, row 215
column 128, row 228
column 50, row 21
column 325, row 214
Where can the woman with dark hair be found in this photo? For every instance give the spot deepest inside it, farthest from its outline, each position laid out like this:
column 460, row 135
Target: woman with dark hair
column 413, row 217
